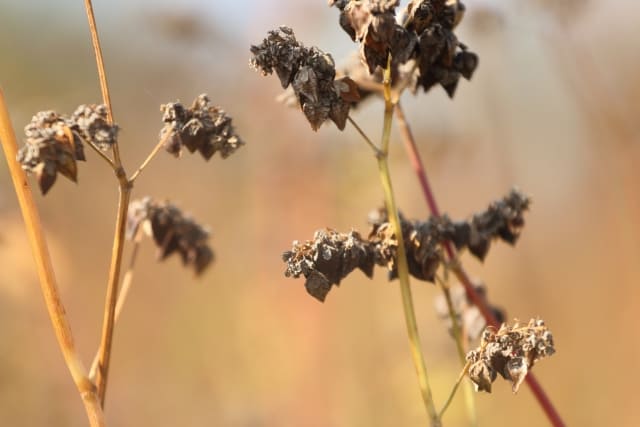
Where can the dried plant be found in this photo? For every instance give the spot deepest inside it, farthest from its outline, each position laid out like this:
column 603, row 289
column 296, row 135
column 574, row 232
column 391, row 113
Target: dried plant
column 54, row 144
column 511, row 351
column 417, row 48
column 331, row 256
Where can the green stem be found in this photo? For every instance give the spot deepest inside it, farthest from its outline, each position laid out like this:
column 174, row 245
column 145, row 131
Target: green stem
column 455, row 388
column 402, row 267
column 469, row 396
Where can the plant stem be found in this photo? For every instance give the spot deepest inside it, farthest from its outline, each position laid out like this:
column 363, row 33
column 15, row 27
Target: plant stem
column 465, row 368
column 125, row 186
column 152, row 154
column 112, row 293
column 101, row 154
column 458, row 338
column 122, row 297
column 402, row 267
column 375, row 149
column 45, row 271
column 102, row 75
column 461, row 274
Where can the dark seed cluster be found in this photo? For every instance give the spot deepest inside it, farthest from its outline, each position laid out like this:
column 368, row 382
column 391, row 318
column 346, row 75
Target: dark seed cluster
column 330, row 256
column 54, row 142
column 92, row 123
column 171, row 232
column 203, row 127
column 425, row 36
column 503, row 219
column 327, row 259
column 511, row 352
column 467, row 313
column 311, row 74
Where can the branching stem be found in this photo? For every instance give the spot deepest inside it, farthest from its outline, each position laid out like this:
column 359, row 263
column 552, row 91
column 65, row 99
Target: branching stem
column 152, row 154
column 118, row 240
column 122, row 297
column 461, row 274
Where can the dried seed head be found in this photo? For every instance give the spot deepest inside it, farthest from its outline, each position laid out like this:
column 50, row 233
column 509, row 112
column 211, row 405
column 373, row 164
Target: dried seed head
column 426, row 38
column 54, row 142
column 423, row 246
column 92, row 123
column 503, row 219
column 511, row 352
column 203, row 127
column 310, row 73
column 281, row 52
column 171, row 232
column 327, row 259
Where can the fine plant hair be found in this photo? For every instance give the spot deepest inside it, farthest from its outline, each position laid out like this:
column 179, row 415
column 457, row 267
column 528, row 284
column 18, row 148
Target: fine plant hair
column 414, row 48
column 55, row 144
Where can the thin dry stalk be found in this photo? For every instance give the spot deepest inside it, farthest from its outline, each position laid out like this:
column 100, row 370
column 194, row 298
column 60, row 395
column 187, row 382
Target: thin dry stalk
column 122, row 297
column 45, row 271
column 125, row 186
column 112, row 293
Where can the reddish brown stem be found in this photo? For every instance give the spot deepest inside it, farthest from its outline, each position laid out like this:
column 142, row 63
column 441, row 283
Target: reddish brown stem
column 478, row 301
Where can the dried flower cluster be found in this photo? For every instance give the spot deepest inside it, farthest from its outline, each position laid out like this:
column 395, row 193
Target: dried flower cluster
column 310, row 72
column 330, row 256
column 171, row 231
column 511, row 352
column 467, row 314
column 203, row 127
column 54, row 142
column 426, row 36
column 327, row 259
column 503, row 219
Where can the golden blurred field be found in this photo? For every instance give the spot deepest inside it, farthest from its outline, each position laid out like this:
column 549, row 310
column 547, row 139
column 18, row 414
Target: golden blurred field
column 552, row 109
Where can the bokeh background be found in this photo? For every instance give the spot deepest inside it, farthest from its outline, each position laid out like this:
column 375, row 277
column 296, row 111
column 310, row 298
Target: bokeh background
column 553, row 109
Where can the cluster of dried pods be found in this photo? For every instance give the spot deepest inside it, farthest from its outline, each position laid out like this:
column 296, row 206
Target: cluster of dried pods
column 331, row 256
column 510, row 351
column 421, row 39
column 54, row 143
column 172, row 232
column 421, row 43
column 203, row 127
column 311, row 74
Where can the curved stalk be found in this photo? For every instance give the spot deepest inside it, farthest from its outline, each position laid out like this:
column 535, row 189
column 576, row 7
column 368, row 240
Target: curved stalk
column 45, row 271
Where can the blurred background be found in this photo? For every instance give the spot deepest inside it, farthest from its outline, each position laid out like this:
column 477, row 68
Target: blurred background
column 552, row 109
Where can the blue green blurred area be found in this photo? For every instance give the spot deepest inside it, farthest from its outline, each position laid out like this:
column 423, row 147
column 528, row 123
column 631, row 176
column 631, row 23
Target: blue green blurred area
column 552, row 109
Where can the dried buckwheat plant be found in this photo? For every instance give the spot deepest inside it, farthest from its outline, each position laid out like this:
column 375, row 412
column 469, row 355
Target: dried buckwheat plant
column 414, row 47
column 54, row 144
